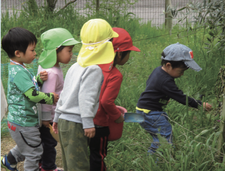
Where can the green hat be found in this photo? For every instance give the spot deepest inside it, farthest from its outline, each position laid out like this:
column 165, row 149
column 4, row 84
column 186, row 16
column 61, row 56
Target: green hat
column 51, row 40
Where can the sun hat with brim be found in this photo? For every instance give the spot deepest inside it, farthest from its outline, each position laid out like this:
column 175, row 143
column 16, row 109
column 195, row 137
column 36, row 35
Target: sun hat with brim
column 180, row 52
column 51, row 40
column 123, row 42
column 96, row 45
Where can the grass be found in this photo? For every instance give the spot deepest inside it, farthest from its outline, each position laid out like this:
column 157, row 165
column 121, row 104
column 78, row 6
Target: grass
column 195, row 132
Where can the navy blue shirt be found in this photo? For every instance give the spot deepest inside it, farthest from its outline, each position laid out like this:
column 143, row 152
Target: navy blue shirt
column 160, row 87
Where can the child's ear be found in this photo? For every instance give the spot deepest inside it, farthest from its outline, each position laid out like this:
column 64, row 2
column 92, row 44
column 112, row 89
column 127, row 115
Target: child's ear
column 17, row 53
column 168, row 65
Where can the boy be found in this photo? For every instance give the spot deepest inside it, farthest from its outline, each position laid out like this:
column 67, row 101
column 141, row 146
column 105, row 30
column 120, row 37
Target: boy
column 79, row 99
column 160, row 87
column 23, row 94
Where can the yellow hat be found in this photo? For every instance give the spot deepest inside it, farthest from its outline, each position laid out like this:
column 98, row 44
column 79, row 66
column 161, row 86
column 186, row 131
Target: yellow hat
column 96, row 48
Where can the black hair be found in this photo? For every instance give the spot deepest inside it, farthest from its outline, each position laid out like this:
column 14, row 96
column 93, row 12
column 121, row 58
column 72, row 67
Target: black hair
column 174, row 64
column 60, row 49
column 124, row 53
column 17, row 39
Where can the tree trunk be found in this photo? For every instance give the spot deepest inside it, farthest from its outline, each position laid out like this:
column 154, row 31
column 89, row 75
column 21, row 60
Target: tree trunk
column 168, row 17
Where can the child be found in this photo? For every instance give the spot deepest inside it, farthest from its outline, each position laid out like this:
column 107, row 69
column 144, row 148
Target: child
column 23, row 94
column 160, row 87
column 58, row 44
column 109, row 91
column 79, row 99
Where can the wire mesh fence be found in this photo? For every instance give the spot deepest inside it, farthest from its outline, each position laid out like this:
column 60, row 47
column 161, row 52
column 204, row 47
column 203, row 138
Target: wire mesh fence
column 146, row 10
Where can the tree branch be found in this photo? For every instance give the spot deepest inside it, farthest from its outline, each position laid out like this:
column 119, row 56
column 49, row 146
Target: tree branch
column 67, row 5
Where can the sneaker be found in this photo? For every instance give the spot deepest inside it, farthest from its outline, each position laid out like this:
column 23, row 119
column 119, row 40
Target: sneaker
column 5, row 164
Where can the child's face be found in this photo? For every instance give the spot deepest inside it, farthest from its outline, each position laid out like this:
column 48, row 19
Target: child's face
column 28, row 56
column 65, row 55
column 124, row 60
column 176, row 72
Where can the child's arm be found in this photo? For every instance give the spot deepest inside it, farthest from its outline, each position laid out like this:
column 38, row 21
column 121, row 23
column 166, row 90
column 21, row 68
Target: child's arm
column 88, row 98
column 110, row 94
column 41, row 77
column 171, row 90
column 39, row 97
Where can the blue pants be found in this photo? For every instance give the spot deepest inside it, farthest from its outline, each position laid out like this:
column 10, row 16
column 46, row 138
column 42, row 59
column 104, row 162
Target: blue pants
column 156, row 122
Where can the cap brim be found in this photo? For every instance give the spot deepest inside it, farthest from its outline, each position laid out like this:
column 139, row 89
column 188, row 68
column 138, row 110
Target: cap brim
column 133, row 48
column 193, row 65
column 115, row 34
column 47, row 58
column 70, row 42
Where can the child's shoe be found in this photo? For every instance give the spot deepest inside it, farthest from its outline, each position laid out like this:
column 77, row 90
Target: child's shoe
column 5, row 164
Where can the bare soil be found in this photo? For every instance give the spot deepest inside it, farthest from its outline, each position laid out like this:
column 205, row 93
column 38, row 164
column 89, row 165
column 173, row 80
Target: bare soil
column 8, row 143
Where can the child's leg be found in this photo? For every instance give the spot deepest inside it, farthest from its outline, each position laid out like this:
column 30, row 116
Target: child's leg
column 156, row 122
column 74, row 146
column 49, row 153
column 28, row 145
column 98, row 149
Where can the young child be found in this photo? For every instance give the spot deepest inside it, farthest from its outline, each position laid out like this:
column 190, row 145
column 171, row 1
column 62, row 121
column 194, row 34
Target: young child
column 58, row 44
column 79, row 99
column 110, row 89
column 160, row 87
column 23, row 94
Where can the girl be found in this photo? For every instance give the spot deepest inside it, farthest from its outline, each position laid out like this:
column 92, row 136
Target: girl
column 58, row 44
column 107, row 109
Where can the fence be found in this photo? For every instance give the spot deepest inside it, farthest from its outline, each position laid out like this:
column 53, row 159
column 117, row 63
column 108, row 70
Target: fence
column 146, row 10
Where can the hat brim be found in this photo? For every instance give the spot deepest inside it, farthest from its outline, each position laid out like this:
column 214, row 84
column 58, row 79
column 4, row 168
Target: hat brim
column 47, row 58
column 115, row 34
column 193, row 65
column 133, row 48
column 70, row 42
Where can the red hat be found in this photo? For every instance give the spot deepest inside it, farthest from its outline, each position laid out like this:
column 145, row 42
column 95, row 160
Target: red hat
column 123, row 42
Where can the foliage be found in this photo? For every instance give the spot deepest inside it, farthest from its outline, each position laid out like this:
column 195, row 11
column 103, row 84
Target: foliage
column 211, row 15
column 195, row 132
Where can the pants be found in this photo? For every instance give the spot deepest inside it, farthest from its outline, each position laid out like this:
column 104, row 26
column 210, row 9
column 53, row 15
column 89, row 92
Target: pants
column 156, row 122
column 98, row 149
column 49, row 153
column 74, row 146
column 28, row 146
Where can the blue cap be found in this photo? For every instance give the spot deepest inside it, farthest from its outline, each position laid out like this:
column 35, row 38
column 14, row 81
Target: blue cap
column 180, row 52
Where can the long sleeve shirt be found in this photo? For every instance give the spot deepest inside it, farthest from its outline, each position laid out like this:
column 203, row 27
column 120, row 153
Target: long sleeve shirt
column 54, row 83
column 79, row 99
column 160, row 87
column 109, row 92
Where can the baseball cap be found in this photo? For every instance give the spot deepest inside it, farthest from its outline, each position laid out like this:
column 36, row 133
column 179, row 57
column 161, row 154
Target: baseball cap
column 180, row 52
column 51, row 40
column 123, row 42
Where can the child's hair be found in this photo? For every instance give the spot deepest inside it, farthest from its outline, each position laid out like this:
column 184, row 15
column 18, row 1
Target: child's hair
column 60, row 49
column 124, row 53
column 17, row 39
column 174, row 64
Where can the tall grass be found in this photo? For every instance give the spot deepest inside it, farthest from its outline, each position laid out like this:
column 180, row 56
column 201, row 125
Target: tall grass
column 195, row 132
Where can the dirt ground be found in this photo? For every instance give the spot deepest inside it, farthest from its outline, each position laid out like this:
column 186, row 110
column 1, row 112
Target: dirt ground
column 7, row 143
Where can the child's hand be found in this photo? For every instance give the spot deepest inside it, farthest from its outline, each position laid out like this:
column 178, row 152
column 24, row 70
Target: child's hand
column 46, row 123
column 43, row 75
column 56, row 97
column 120, row 119
column 89, row 132
column 55, row 127
column 207, row 106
